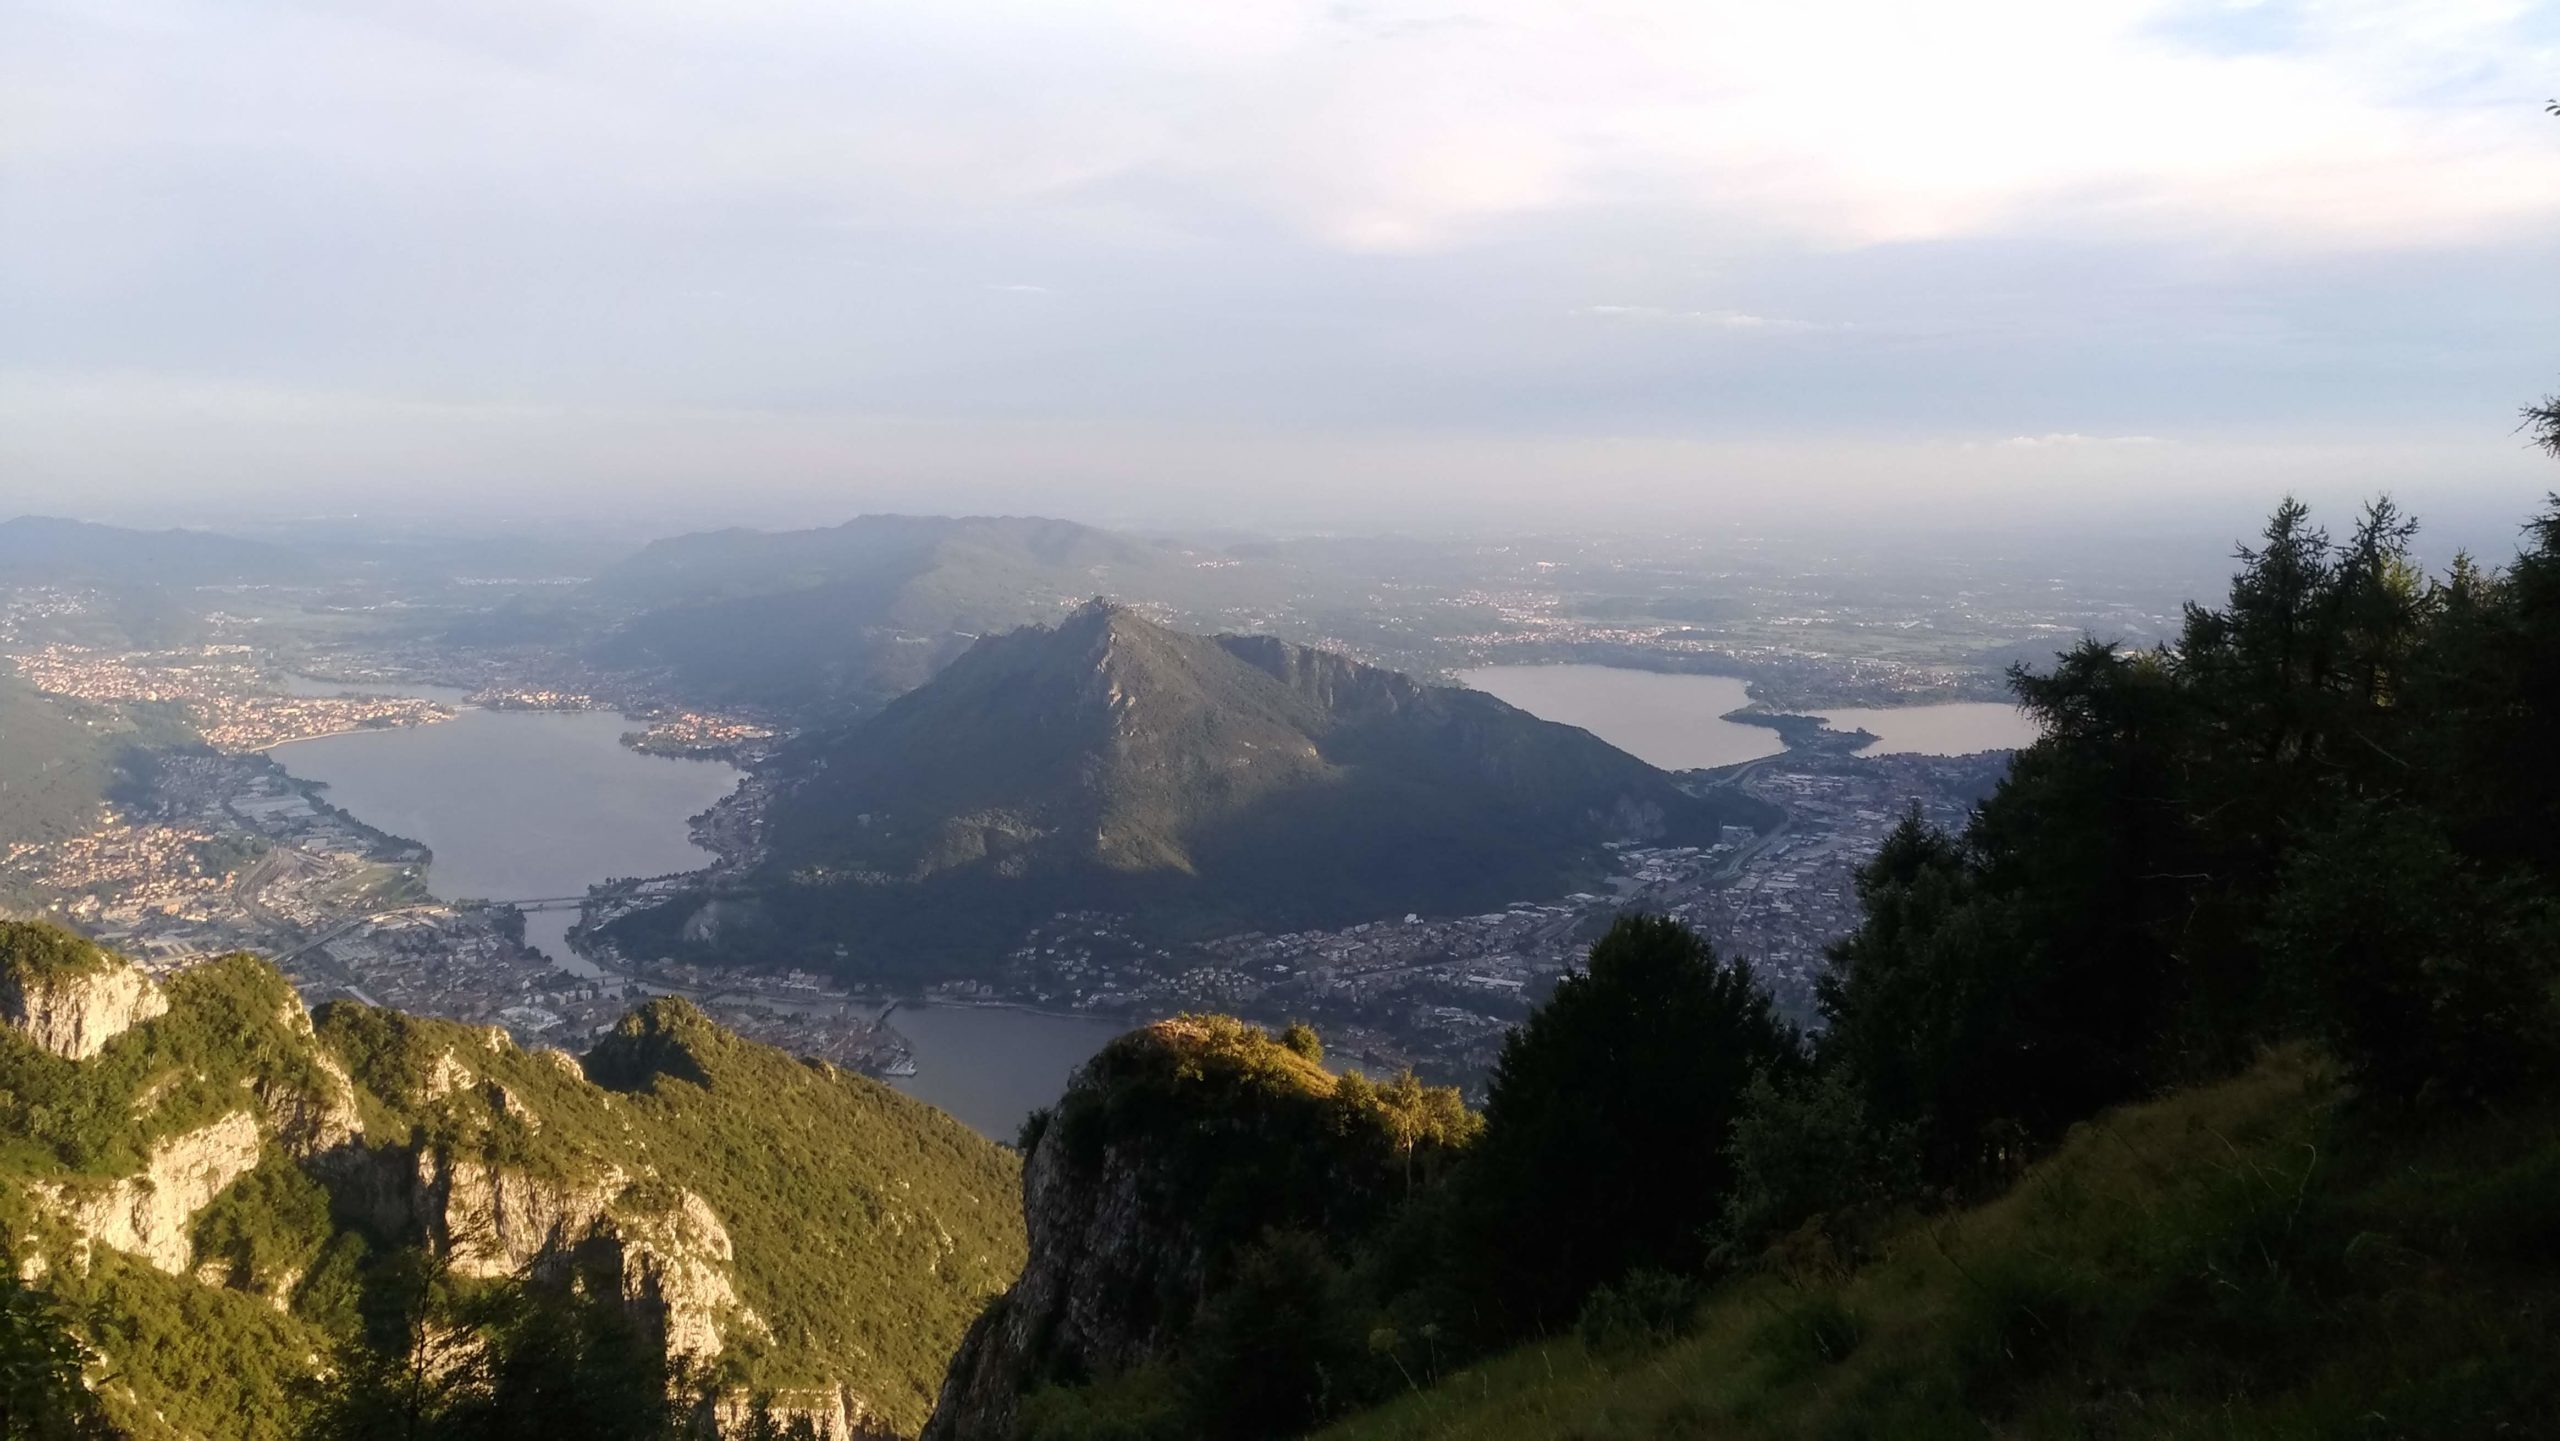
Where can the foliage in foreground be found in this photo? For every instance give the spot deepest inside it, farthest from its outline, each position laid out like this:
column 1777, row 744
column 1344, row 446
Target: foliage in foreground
column 2255, row 1258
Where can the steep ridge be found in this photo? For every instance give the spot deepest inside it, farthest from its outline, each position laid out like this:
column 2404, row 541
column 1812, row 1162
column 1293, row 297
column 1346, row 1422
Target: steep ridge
column 1235, row 782
column 214, row 1180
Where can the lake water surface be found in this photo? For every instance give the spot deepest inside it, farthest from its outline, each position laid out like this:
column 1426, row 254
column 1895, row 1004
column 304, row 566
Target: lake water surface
column 520, row 804
column 992, row 1065
column 1672, row 721
column 1676, row 721
column 1954, row 729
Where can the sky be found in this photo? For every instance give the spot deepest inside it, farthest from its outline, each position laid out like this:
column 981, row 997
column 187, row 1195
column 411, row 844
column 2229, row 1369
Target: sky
column 1459, row 263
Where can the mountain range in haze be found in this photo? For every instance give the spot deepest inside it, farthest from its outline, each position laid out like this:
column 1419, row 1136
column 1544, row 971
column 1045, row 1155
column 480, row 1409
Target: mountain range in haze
column 45, row 550
column 859, row 612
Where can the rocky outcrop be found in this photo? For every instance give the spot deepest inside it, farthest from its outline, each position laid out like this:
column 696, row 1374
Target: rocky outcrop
column 310, row 1121
column 74, row 1013
column 151, row 1215
column 1118, row 1257
column 1105, row 1231
column 830, row 1414
column 1174, row 1150
column 674, row 1268
column 499, row 1222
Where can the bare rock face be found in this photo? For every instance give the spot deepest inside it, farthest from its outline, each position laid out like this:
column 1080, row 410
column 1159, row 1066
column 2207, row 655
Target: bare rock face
column 310, row 1123
column 74, row 1014
column 674, row 1274
column 497, row 1222
column 672, row 1265
column 151, row 1215
column 1102, row 1230
column 831, row 1415
column 1115, row 1241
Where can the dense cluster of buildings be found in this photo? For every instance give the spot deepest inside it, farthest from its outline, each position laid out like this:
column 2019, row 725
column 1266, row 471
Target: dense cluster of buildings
column 219, row 690
column 1438, row 993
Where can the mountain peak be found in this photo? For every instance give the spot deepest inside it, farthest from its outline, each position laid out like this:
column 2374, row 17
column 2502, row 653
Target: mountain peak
column 1107, row 761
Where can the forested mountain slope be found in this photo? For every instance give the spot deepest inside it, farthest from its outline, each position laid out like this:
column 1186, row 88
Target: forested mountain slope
column 240, row 1206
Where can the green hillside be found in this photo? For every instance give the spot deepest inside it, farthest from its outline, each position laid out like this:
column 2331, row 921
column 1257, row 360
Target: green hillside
column 2245, row 1259
column 230, row 1200
column 1201, row 784
column 55, row 766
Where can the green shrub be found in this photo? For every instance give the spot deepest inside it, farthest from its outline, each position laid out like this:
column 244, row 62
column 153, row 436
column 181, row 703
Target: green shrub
column 1645, row 1308
column 1302, row 1039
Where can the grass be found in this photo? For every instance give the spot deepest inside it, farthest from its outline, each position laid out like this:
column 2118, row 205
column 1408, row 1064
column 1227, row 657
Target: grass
column 2249, row 1259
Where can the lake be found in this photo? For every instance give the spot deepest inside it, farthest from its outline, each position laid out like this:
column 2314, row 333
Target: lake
column 1954, row 729
column 992, row 1065
column 518, row 804
column 1676, row 721
column 1672, row 721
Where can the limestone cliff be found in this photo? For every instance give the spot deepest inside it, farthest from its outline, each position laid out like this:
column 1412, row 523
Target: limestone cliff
column 76, row 999
column 149, row 1215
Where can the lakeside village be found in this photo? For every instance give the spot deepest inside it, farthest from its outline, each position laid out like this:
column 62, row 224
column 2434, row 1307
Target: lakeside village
column 217, row 848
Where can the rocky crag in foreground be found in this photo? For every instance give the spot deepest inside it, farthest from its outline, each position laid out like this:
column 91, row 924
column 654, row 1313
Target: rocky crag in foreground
column 211, row 1180
column 1186, row 1160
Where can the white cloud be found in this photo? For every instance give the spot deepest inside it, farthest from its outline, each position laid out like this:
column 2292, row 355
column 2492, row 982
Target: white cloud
column 1294, row 217
column 1400, row 125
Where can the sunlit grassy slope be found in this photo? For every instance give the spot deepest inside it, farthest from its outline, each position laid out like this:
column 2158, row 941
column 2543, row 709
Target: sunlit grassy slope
column 2251, row 1259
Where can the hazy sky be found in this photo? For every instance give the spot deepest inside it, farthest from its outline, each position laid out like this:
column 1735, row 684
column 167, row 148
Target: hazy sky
column 1258, row 262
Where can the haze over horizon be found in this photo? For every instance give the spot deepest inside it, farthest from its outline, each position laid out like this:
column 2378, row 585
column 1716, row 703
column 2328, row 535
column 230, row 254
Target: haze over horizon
column 1291, row 265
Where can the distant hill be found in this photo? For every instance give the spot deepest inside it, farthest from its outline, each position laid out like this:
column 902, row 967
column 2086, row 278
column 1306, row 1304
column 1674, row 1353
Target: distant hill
column 226, row 1193
column 55, row 767
column 862, row 611
column 1204, row 784
column 44, row 550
